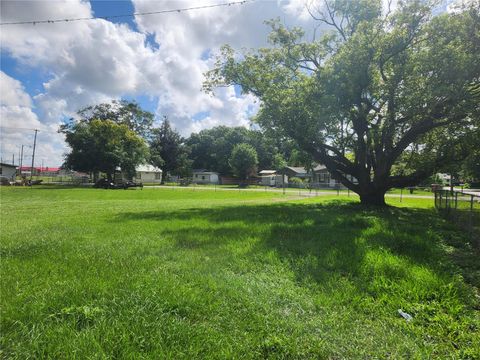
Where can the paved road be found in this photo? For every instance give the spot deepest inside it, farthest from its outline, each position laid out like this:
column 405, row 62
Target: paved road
column 287, row 191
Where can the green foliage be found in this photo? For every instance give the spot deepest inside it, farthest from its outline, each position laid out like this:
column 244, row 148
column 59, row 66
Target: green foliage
column 169, row 151
column 185, row 274
column 121, row 112
column 243, row 161
column 102, row 146
column 295, row 180
column 211, row 148
column 278, row 162
column 378, row 85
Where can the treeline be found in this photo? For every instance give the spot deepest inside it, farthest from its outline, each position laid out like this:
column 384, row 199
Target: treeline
column 121, row 134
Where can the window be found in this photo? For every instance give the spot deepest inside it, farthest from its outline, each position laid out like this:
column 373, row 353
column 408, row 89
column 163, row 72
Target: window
column 158, row 176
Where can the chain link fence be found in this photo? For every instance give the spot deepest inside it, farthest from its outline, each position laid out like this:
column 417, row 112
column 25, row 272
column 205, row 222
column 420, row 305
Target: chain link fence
column 463, row 208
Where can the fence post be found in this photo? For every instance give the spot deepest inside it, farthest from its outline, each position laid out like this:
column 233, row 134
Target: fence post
column 456, row 200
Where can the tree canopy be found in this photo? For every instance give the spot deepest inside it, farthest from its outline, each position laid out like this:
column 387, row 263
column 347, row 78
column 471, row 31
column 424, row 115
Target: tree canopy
column 168, row 150
column 374, row 86
column 243, row 161
column 124, row 112
column 211, row 148
column 102, row 146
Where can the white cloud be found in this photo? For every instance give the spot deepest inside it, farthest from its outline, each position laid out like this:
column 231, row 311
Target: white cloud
column 88, row 62
column 185, row 38
column 17, row 121
column 12, row 92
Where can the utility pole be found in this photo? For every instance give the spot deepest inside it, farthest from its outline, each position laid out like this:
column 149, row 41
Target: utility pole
column 33, row 155
column 13, row 159
column 21, row 161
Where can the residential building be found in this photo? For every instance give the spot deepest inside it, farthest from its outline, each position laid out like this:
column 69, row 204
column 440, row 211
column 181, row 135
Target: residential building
column 148, row 174
column 202, row 176
column 8, row 171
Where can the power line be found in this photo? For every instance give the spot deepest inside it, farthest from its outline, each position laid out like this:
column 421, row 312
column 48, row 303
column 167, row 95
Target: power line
column 28, row 129
column 16, row 128
column 34, row 22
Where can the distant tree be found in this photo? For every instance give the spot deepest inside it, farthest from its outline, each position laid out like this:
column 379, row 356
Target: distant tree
column 243, row 161
column 184, row 165
column 102, row 146
column 278, row 162
column 124, row 112
column 168, row 150
column 211, row 148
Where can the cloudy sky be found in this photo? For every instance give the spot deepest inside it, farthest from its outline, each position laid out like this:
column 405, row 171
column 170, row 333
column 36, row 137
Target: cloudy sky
column 49, row 71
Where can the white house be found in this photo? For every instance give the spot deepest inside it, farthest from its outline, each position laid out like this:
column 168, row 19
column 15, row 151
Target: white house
column 9, row 171
column 272, row 178
column 148, row 174
column 201, row 176
column 267, row 177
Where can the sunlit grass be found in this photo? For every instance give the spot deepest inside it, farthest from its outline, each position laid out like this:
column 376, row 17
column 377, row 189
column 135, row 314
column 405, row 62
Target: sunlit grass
column 201, row 274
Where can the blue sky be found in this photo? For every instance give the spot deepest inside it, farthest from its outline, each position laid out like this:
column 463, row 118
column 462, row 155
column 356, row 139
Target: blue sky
column 50, row 71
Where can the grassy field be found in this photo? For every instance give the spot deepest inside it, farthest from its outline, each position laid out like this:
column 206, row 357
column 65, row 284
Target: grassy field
column 161, row 274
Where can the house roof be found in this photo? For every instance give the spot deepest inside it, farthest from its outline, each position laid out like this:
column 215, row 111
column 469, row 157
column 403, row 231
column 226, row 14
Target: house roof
column 203, row 171
column 8, row 165
column 267, row 172
column 147, row 168
column 41, row 169
column 296, row 169
column 50, row 169
column 319, row 168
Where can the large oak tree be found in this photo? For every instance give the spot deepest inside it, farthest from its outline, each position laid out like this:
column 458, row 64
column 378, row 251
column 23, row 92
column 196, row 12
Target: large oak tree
column 375, row 85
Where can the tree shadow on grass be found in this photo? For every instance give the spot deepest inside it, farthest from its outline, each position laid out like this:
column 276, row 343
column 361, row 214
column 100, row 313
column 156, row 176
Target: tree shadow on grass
column 320, row 242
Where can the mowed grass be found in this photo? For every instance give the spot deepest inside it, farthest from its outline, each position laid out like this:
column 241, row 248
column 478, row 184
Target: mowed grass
column 171, row 274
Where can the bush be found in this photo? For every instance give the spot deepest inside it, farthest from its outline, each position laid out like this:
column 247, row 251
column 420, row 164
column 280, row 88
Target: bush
column 295, row 180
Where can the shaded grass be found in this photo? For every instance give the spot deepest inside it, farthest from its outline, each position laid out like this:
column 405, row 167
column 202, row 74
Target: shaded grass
column 180, row 274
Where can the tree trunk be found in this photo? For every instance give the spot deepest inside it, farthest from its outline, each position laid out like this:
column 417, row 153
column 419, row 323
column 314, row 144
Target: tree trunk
column 376, row 198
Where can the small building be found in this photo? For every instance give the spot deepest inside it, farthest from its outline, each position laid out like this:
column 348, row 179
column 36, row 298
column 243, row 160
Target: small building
column 27, row 171
column 148, row 174
column 8, row 171
column 267, row 177
column 49, row 171
column 295, row 171
column 202, row 176
column 272, row 178
column 323, row 178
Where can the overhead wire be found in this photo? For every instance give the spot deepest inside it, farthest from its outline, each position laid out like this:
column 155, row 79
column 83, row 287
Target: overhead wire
column 50, row 21
column 28, row 129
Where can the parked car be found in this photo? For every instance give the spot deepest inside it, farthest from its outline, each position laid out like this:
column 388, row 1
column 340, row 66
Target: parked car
column 128, row 184
column 105, row 184
column 4, row 181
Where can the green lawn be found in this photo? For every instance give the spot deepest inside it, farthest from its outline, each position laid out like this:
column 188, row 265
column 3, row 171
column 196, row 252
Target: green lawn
column 159, row 273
